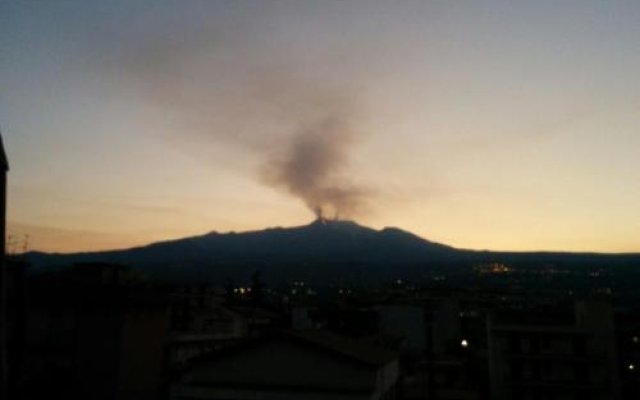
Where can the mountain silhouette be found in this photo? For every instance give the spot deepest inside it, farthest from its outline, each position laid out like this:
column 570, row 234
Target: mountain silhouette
column 320, row 249
column 323, row 251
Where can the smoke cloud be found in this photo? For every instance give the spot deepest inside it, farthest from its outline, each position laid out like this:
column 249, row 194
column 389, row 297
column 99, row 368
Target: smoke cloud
column 291, row 111
column 311, row 169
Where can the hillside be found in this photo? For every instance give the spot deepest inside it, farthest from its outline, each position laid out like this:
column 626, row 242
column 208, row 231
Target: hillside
column 323, row 251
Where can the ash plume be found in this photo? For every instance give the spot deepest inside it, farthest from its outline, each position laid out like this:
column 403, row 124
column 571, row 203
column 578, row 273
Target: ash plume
column 253, row 96
column 312, row 165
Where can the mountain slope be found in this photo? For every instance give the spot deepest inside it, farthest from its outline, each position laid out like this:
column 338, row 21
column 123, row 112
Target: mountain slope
column 319, row 250
column 323, row 251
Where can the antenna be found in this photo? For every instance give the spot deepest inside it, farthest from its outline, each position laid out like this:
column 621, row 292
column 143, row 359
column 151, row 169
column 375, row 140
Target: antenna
column 10, row 244
column 318, row 211
column 25, row 245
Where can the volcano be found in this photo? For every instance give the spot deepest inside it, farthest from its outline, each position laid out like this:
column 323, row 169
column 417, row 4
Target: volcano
column 322, row 251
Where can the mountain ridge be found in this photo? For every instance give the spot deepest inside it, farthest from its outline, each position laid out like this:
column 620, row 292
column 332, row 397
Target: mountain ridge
column 322, row 250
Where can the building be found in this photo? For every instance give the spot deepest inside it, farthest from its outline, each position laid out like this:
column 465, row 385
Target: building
column 4, row 320
column 93, row 331
column 407, row 322
column 210, row 329
column 553, row 354
column 628, row 346
column 292, row 365
column 203, row 322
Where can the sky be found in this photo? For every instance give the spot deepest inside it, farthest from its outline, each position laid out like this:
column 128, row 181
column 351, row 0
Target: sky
column 502, row 125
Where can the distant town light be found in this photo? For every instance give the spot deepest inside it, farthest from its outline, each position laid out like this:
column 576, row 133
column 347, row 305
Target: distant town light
column 464, row 343
column 632, row 367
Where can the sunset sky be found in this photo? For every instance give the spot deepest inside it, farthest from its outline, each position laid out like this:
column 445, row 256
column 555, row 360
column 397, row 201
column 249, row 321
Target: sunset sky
column 503, row 125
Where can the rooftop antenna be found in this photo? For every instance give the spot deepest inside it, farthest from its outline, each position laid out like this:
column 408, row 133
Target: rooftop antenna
column 25, row 245
column 10, row 244
column 318, row 211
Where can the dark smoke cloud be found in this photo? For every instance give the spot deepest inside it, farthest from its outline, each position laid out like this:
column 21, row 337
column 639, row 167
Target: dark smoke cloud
column 293, row 114
column 311, row 169
column 291, row 110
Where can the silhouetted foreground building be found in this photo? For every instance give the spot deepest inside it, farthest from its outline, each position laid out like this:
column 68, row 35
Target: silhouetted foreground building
column 554, row 356
column 203, row 321
column 100, row 331
column 4, row 319
column 301, row 365
column 94, row 332
column 628, row 348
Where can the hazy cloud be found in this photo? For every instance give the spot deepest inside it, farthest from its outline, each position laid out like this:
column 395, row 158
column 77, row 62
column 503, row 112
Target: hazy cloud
column 297, row 113
column 311, row 166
